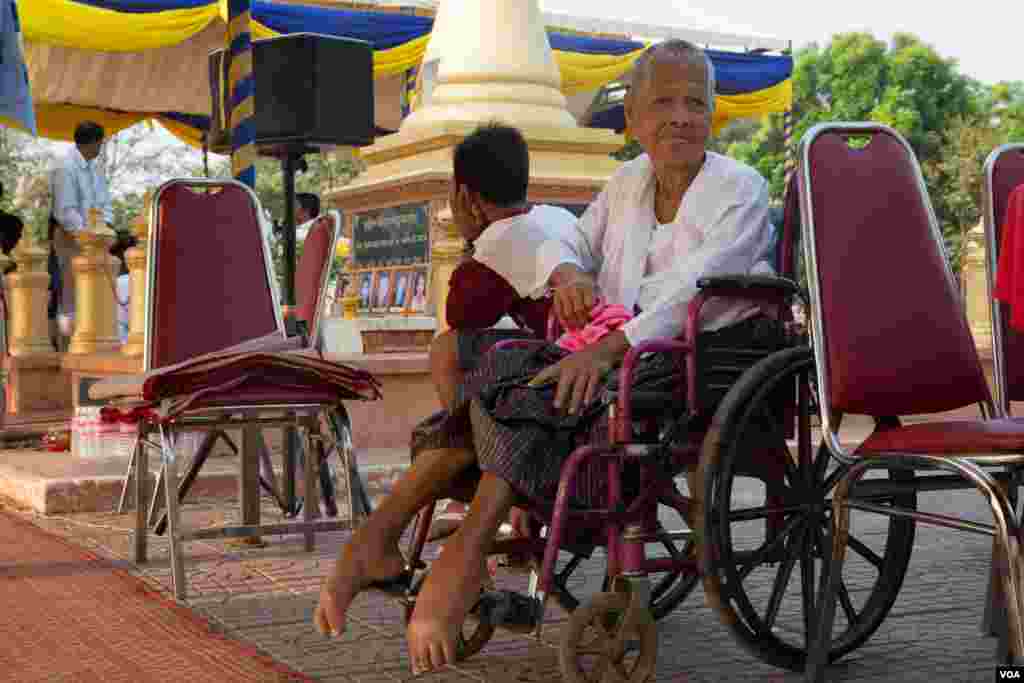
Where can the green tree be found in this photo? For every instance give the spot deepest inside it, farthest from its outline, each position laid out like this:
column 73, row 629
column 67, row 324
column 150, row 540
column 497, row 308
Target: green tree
column 906, row 85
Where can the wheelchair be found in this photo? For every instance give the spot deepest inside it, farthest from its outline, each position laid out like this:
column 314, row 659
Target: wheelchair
column 747, row 419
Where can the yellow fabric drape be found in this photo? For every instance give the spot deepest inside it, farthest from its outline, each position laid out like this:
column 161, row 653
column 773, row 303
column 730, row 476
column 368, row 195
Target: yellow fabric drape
column 187, row 134
column 582, row 72
column 775, row 99
column 58, row 122
column 71, row 24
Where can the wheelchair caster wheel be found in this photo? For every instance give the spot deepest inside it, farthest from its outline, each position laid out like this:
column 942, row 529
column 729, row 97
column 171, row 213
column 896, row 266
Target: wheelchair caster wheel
column 473, row 635
column 595, row 650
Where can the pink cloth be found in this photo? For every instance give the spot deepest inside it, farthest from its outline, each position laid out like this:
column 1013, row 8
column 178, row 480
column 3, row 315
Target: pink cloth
column 604, row 318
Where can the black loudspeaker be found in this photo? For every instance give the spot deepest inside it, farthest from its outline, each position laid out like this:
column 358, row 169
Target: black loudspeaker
column 311, row 89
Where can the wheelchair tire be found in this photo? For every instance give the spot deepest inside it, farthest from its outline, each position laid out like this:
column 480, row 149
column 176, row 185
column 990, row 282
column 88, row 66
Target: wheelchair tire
column 748, row 575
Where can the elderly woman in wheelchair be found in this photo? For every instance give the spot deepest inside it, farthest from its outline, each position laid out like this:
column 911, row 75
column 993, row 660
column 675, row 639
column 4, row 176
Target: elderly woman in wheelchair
column 676, row 214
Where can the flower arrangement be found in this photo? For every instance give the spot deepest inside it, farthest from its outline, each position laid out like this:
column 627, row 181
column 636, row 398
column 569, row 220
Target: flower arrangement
column 32, row 201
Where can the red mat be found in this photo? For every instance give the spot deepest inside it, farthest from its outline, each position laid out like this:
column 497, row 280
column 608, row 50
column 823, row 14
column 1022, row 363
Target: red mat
column 69, row 615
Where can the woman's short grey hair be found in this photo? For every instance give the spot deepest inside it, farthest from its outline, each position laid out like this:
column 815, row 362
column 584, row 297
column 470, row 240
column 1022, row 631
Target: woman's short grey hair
column 673, row 49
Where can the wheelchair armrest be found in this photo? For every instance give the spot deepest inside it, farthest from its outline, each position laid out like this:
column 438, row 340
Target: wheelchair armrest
column 748, row 285
column 622, row 423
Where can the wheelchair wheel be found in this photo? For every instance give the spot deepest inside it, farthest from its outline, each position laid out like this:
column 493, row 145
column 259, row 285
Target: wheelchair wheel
column 767, row 512
column 589, row 653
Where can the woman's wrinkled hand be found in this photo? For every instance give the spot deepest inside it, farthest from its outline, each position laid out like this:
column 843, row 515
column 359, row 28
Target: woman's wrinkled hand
column 574, row 298
column 579, row 377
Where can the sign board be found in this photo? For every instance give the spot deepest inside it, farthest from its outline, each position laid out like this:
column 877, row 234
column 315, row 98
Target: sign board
column 393, row 236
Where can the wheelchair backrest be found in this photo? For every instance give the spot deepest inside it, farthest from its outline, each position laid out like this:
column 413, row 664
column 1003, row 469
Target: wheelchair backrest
column 1004, row 171
column 890, row 334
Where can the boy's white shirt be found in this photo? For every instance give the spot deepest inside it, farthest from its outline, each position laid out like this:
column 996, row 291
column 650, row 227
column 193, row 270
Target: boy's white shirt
column 510, row 246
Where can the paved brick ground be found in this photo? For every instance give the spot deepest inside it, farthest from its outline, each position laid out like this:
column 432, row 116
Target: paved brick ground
column 265, row 596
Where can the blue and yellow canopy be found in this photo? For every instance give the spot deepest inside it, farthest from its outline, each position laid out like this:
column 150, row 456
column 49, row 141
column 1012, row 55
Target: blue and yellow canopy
column 748, row 84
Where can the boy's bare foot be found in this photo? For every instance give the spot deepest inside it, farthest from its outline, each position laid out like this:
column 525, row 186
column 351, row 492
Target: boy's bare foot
column 363, row 561
column 450, row 591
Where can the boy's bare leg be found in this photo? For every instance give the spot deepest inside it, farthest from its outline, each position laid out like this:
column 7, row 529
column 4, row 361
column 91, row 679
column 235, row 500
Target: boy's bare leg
column 453, row 585
column 444, row 367
column 372, row 553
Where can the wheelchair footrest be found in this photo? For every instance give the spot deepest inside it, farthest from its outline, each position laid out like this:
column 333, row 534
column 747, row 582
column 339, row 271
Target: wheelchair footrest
column 508, row 609
column 402, row 587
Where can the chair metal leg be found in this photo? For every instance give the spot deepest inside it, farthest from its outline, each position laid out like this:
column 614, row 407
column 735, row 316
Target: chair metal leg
column 1007, row 535
column 828, row 594
column 249, row 475
column 994, row 619
column 205, row 449
column 126, row 485
column 173, row 515
column 141, row 457
column 310, row 464
column 157, row 501
column 288, row 458
column 1010, row 648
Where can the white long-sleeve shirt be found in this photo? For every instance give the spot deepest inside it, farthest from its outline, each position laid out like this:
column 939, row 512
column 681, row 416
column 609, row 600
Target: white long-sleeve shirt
column 77, row 185
column 721, row 228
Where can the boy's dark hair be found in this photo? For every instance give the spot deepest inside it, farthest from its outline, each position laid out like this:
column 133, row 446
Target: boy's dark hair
column 494, row 162
column 310, row 202
column 88, row 133
column 11, row 230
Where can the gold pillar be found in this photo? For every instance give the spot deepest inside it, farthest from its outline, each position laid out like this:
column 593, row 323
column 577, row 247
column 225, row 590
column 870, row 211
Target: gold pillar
column 446, row 250
column 350, row 298
column 136, row 261
column 27, row 290
column 95, row 307
column 975, row 284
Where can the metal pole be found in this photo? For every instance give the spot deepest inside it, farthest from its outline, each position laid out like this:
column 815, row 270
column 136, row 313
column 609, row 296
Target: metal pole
column 288, row 288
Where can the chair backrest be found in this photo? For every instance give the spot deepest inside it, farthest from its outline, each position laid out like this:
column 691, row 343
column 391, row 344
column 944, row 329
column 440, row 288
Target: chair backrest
column 1004, row 171
column 208, row 268
column 890, row 334
column 314, row 270
column 788, row 231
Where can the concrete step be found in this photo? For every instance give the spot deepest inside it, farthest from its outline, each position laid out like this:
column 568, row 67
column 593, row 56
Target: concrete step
column 60, row 483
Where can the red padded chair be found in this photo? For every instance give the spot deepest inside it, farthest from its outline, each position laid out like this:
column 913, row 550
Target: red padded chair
column 210, row 290
column 313, row 272
column 1004, row 171
column 891, row 339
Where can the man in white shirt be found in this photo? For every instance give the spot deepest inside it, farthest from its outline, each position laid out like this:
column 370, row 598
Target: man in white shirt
column 77, row 185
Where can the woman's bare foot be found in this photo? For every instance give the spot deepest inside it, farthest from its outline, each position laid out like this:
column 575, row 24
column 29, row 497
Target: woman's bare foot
column 365, row 559
column 450, row 591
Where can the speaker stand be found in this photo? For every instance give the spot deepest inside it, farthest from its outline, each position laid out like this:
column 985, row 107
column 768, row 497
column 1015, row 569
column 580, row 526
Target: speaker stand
column 290, row 158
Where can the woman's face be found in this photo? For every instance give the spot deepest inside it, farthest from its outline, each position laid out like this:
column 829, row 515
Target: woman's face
column 669, row 114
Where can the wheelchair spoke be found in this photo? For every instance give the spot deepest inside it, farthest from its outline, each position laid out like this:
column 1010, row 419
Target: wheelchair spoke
column 807, row 583
column 762, row 512
column 847, row 604
column 669, row 578
column 821, row 463
column 865, row 552
column 782, row 577
column 758, row 557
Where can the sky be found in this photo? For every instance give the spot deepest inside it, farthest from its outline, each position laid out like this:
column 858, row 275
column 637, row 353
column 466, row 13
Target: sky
column 983, row 36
